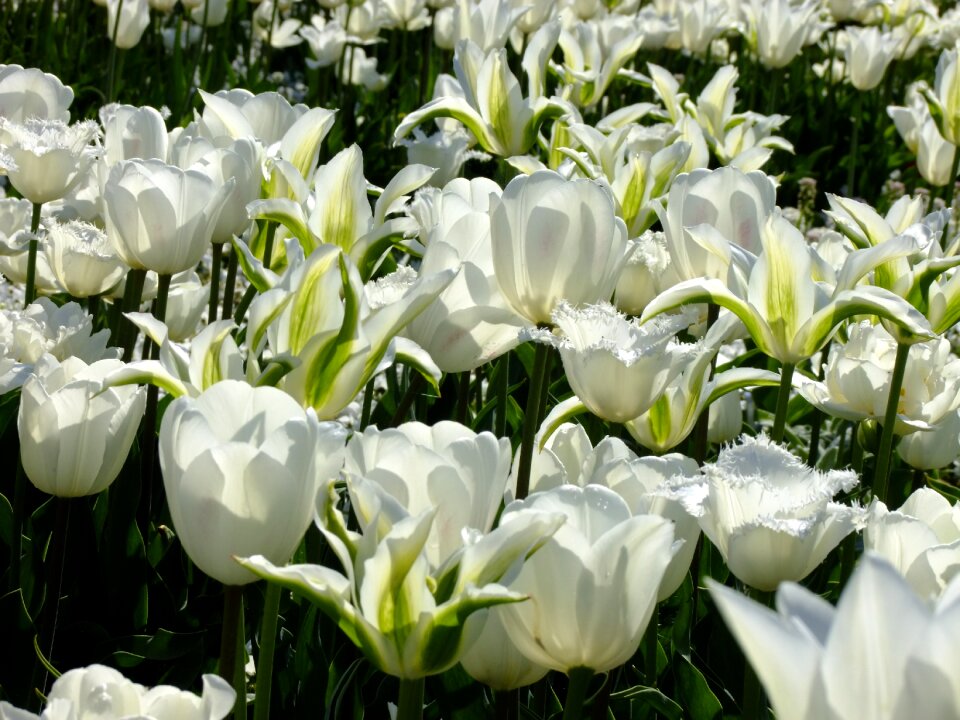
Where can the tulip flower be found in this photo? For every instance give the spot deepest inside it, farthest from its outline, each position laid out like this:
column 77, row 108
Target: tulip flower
column 555, row 239
column 777, row 30
column 404, row 613
column 593, row 585
column 492, row 106
column 241, row 467
column 31, row 93
column 617, row 367
column 82, row 259
column 160, row 217
column 935, row 155
column 133, row 133
column 771, row 516
column 126, row 21
column 568, row 457
column 447, row 468
column 593, row 54
column 935, row 448
column 102, row 692
column 45, row 158
column 785, row 310
column 340, row 343
column 944, row 99
column 921, row 540
column 470, row 323
column 858, row 372
column 74, row 438
column 868, row 54
column 882, row 653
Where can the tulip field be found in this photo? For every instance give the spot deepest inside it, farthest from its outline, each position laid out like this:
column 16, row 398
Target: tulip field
column 464, row 359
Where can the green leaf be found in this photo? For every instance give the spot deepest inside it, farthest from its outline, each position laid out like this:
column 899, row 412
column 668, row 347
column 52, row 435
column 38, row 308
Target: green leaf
column 650, row 698
column 6, row 521
column 695, row 695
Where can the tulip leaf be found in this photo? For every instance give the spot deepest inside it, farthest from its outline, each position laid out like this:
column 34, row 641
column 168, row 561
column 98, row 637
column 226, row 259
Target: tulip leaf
column 651, row 698
column 6, row 521
column 695, row 695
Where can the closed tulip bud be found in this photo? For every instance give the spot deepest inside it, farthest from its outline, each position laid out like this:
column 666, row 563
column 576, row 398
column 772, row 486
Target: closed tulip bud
column 241, row 467
column 160, row 217
column 32, row 93
column 593, row 584
column 74, row 438
column 83, row 259
column 921, row 539
column 133, row 133
column 869, row 52
column 555, row 239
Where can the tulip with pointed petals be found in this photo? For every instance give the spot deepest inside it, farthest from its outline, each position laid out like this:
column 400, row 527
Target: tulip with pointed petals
column 882, row 653
column 405, row 613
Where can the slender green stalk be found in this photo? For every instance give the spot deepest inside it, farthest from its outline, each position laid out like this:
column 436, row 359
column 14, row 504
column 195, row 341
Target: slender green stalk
column 229, row 287
column 19, row 510
column 463, row 398
column 651, row 645
column 531, row 421
column 577, row 693
column 856, row 450
column 215, row 262
column 503, row 384
column 240, row 670
column 127, row 332
column 881, row 478
column 783, row 400
column 701, row 429
column 952, row 185
column 112, row 53
column 410, row 703
column 506, row 704
column 93, row 307
column 367, row 405
column 31, row 292
column 854, row 145
column 232, row 619
column 54, row 562
column 148, row 441
column 268, row 643
column 403, row 408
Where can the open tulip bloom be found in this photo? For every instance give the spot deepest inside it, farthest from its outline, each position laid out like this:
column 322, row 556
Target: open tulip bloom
column 405, row 614
column 882, row 653
column 771, row 516
column 787, row 312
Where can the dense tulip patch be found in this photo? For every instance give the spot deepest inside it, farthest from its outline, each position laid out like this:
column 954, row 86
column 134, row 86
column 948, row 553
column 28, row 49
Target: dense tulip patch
column 479, row 358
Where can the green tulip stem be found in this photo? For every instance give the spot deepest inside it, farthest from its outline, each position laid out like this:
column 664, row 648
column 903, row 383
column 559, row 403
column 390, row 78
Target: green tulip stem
column 881, row 478
column 367, row 405
column 410, row 703
column 54, row 563
column 651, row 648
column 112, row 53
column 701, row 429
column 854, row 145
column 268, row 643
column 126, row 332
column 951, row 185
column 463, row 397
column 31, row 292
column 230, row 640
column 503, row 385
column 580, row 678
column 216, row 261
column 93, row 307
column 531, row 421
column 248, row 295
column 229, row 286
column 409, row 397
column 783, row 400
column 148, row 441
column 506, row 704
